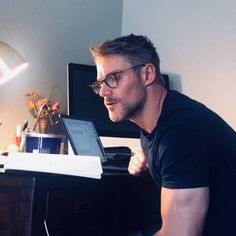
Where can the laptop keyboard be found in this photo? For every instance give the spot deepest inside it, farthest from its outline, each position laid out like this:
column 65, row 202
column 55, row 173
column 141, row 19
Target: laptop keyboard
column 116, row 162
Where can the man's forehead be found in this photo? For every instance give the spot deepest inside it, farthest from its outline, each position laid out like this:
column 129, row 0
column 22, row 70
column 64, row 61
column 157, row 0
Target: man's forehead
column 108, row 64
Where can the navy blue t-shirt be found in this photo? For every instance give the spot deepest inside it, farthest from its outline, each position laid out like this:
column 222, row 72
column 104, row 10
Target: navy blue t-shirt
column 191, row 146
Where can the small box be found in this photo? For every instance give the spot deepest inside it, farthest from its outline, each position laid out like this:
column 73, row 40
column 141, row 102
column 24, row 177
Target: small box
column 44, row 143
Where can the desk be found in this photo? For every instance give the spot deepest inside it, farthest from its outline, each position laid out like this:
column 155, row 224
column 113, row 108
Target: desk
column 76, row 206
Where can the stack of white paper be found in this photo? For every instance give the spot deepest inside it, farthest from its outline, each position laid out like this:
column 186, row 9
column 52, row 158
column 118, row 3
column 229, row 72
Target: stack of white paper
column 85, row 166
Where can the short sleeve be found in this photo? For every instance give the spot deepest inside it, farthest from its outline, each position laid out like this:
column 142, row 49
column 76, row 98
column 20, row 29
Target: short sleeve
column 183, row 158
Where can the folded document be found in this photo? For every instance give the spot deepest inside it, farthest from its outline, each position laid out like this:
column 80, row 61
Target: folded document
column 76, row 165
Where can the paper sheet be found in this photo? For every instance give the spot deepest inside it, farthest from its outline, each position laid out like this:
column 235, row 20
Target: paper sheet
column 86, row 166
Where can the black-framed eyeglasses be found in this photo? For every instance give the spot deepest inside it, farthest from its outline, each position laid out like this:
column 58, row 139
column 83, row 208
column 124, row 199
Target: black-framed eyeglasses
column 110, row 80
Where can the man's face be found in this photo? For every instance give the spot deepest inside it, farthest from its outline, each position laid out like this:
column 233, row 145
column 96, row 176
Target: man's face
column 127, row 99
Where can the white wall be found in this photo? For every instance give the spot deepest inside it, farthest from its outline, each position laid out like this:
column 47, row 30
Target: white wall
column 49, row 34
column 196, row 41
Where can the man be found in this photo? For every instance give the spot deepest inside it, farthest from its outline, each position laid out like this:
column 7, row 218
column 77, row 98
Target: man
column 189, row 150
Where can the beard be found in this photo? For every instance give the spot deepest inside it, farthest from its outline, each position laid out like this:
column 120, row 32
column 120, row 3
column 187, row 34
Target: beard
column 129, row 110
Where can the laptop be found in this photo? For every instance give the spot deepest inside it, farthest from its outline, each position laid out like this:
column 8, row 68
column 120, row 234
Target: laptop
column 84, row 140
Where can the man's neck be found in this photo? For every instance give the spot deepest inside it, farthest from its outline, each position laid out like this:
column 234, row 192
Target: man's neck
column 151, row 112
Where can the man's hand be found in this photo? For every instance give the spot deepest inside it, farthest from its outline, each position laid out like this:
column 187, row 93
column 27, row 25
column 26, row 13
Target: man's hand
column 138, row 163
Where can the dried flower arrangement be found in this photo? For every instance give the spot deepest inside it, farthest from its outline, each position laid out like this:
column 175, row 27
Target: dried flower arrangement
column 36, row 104
column 43, row 109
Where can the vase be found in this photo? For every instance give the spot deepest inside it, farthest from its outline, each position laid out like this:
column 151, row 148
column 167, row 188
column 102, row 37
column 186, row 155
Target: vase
column 43, row 125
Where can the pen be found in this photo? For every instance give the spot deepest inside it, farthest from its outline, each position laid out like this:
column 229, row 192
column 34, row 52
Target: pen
column 18, row 136
column 25, row 125
column 22, row 143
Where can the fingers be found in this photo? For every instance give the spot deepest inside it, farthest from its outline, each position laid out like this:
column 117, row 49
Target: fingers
column 138, row 163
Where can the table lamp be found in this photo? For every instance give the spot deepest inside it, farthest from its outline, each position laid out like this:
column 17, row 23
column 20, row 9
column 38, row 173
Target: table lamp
column 11, row 62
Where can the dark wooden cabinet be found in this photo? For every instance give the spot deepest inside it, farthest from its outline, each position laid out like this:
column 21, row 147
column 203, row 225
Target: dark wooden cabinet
column 16, row 205
column 31, row 204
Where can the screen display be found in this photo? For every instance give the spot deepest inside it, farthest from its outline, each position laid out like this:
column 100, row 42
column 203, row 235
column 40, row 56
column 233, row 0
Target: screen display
column 83, row 137
column 84, row 103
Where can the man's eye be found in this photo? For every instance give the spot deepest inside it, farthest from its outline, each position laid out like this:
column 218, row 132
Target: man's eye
column 118, row 75
column 110, row 78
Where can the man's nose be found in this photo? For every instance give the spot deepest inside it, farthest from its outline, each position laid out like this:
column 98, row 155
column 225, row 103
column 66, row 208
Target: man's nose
column 105, row 90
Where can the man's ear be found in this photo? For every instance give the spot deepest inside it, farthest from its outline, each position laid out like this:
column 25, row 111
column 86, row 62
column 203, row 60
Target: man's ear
column 149, row 75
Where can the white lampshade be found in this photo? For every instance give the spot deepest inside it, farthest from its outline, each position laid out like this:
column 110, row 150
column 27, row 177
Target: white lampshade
column 11, row 62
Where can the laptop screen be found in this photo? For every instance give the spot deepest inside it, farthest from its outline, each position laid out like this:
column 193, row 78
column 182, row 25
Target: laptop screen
column 83, row 137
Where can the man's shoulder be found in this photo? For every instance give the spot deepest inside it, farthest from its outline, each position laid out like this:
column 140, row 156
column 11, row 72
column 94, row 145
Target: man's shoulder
column 177, row 99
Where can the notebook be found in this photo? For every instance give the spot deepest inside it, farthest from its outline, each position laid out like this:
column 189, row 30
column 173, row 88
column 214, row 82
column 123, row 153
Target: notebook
column 85, row 141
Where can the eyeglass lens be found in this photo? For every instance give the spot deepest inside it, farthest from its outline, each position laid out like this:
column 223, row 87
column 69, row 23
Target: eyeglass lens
column 110, row 80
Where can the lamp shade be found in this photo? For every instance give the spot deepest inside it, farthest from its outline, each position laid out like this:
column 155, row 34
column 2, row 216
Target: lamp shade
column 11, row 62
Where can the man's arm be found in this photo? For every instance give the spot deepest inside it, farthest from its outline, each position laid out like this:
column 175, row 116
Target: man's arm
column 183, row 211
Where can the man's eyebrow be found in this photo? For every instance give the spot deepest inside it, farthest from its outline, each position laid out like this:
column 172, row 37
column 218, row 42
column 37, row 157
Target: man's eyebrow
column 103, row 78
column 99, row 79
column 110, row 73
